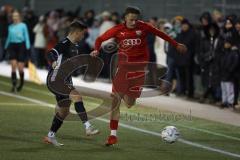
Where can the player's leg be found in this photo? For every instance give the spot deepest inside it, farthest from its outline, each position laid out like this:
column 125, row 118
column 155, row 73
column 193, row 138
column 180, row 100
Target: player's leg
column 61, row 114
column 21, row 75
column 80, row 109
column 13, row 60
column 13, row 74
column 129, row 101
column 21, row 58
column 114, row 118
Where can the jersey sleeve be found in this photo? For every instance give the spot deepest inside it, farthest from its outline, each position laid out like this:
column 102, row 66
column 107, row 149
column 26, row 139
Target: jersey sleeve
column 55, row 52
column 111, row 33
column 160, row 34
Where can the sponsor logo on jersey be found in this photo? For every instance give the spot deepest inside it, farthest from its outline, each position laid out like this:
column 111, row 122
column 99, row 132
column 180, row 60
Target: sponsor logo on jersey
column 122, row 33
column 139, row 32
column 132, row 42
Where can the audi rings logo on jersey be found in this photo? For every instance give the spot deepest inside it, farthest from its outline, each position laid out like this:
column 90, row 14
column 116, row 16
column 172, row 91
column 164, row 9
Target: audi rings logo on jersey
column 132, row 42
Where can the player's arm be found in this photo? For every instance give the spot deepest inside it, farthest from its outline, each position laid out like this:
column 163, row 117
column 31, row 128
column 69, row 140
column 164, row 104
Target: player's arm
column 54, row 54
column 107, row 35
column 180, row 47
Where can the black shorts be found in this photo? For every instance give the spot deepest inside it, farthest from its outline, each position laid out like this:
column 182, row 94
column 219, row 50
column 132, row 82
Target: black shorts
column 17, row 51
column 62, row 99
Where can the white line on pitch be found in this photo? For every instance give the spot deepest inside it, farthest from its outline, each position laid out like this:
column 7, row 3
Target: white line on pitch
column 20, row 104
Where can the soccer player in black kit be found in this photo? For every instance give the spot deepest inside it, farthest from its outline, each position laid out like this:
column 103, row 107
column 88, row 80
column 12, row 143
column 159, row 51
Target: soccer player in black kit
column 64, row 50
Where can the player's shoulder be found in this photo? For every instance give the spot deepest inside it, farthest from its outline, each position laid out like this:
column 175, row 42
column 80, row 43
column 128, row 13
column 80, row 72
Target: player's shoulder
column 119, row 26
column 139, row 22
column 142, row 24
column 22, row 24
column 63, row 43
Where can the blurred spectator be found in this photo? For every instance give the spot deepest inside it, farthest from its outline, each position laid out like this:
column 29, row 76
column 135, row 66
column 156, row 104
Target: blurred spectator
column 208, row 61
column 63, row 27
column 237, row 81
column 229, row 32
column 40, row 43
column 51, row 30
column 159, row 45
column 3, row 30
column 17, row 42
column 218, row 18
column 170, row 52
column 31, row 20
column 206, row 21
column 185, row 62
column 152, row 77
column 237, row 28
column 107, row 23
column 115, row 18
column 93, row 33
column 228, row 67
column 176, row 22
column 89, row 17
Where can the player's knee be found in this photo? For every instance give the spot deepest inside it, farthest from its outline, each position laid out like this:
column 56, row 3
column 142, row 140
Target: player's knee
column 75, row 96
column 63, row 114
column 130, row 104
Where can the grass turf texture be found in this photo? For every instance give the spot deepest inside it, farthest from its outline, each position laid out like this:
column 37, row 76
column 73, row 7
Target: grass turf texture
column 23, row 127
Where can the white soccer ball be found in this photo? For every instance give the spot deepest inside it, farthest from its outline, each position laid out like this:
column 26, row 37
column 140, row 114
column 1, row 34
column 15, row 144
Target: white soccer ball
column 170, row 134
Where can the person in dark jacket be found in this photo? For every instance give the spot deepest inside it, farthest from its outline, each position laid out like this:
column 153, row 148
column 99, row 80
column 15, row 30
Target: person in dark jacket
column 228, row 63
column 237, row 82
column 185, row 62
column 208, row 62
column 3, row 31
column 206, row 21
column 229, row 32
column 152, row 77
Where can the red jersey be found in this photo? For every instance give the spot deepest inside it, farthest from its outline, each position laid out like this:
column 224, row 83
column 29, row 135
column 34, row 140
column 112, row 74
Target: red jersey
column 133, row 42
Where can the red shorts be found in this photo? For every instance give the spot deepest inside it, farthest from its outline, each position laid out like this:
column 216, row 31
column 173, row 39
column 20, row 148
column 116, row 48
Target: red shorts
column 129, row 77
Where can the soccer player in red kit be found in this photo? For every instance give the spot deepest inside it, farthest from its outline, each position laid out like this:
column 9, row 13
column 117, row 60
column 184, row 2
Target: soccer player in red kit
column 131, row 39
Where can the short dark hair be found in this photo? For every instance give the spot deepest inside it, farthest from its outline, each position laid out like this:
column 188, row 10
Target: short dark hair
column 132, row 9
column 77, row 25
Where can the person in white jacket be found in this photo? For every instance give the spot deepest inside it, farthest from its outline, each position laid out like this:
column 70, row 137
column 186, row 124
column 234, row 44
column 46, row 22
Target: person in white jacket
column 40, row 42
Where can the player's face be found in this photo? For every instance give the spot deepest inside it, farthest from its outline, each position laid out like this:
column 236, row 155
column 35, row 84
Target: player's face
column 16, row 17
column 79, row 35
column 131, row 20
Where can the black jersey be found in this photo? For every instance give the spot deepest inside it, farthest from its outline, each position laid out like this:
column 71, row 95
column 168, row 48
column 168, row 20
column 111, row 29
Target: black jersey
column 64, row 50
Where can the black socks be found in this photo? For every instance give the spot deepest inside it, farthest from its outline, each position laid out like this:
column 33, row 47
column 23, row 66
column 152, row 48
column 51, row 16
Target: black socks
column 56, row 123
column 80, row 109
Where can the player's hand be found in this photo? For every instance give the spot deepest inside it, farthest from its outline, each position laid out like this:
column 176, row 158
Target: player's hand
column 181, row 48
column 54, row 64
column 94, row 53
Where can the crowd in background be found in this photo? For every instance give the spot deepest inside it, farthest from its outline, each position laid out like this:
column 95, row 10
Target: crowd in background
column 213, row 48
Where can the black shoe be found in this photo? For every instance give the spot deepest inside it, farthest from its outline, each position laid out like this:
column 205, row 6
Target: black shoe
column 19, row 88
column 223, row 105
column 14, row 89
